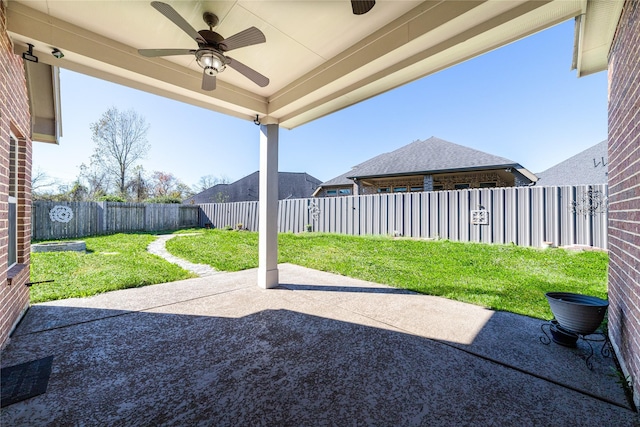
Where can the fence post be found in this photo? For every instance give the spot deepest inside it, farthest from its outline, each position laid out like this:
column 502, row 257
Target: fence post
column 101, row 214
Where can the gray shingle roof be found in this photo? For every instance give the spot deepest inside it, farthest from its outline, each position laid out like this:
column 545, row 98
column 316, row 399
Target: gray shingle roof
column 427, row 156
column 339, row 180
column 587, row 167
column 291, row 185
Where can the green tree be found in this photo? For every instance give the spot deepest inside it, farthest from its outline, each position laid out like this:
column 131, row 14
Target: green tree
column 78, row 192
column 138, row 185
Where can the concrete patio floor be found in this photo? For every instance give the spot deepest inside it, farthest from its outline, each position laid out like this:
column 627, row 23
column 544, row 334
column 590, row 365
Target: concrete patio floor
column 319, row 350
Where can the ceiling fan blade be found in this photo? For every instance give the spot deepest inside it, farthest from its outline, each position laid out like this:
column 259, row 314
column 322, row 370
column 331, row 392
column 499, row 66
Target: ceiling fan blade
column 165, row 52
column 360, row 7
column 248, row 37
column 248, row 72
column 171, row 14
column 208, row 82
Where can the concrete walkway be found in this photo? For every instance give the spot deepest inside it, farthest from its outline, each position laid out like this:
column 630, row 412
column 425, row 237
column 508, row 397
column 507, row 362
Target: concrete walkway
column 158, row 247
column 320, row 349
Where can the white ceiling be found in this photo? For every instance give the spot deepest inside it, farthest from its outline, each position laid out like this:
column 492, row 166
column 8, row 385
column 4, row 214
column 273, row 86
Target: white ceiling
column 319, row 57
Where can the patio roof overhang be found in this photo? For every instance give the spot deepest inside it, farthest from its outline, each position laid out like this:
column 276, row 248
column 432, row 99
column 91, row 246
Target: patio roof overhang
column 319, row 57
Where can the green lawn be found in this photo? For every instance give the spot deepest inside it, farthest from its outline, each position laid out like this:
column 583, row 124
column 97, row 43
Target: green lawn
column 500, row 277
column 112, row 262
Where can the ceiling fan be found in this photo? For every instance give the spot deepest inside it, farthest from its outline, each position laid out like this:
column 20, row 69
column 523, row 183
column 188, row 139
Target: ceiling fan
column 360, row 7
column 210, row 54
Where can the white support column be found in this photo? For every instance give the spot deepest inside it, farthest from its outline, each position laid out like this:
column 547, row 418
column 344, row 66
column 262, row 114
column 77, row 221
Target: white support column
column 268, row 226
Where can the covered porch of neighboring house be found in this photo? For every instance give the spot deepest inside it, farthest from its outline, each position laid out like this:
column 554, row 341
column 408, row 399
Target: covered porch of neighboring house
column 454, row 180
column 441, row 181
column 316, row 67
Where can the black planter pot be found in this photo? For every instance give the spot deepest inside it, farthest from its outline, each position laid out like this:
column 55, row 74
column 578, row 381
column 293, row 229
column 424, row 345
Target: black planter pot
column 561, row 336
column 577, row 313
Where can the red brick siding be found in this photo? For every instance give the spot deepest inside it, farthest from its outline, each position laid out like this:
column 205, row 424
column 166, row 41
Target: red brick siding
column 624, row 191
column 14, row 118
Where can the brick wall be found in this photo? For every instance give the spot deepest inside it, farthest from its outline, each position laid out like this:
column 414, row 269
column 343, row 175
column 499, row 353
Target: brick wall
column 624, row 192
column 14, row 119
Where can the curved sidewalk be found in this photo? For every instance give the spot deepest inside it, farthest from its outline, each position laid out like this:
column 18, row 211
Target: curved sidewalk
column 158, row 247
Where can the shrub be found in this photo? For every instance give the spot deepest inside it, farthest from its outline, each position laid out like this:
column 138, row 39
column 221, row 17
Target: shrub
column 163, row 199
column 111, row 198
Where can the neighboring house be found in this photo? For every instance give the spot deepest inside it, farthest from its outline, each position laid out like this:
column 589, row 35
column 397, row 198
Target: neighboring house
column 29, row 111
column 291, row 185
column 430, row 165
column 586, row 167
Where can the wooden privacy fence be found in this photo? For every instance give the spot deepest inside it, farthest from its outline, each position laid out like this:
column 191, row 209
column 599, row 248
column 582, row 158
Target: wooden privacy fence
column 525, row 216
column 68, row 220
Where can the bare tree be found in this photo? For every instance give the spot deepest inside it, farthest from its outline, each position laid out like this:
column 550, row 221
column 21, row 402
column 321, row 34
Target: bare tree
column 95, row 181
column 121, row 140
column 209, row 181
column 42, row 184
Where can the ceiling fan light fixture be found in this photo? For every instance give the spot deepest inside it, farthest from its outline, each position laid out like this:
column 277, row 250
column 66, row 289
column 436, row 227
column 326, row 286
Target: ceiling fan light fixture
column 210, row 54
column 210, row 61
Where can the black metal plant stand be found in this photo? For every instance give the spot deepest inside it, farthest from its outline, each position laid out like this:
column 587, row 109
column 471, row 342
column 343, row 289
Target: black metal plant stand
column 554, row 332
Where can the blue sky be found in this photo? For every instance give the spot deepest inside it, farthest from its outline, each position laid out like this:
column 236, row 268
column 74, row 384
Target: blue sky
column 521, row 102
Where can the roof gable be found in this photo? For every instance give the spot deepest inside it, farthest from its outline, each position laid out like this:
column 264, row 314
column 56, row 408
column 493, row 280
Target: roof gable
column 430, row 155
